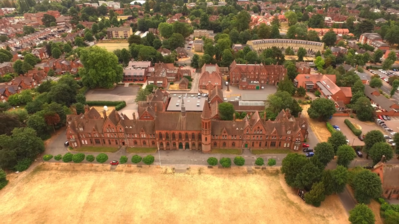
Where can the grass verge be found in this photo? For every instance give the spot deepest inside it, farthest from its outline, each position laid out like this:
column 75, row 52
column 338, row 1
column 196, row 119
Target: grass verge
column 270, row 151
column 94, row 149
column 226, row 151
column 141, row 150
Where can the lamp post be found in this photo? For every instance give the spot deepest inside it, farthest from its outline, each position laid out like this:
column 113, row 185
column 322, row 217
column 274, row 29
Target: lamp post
column 159, row 155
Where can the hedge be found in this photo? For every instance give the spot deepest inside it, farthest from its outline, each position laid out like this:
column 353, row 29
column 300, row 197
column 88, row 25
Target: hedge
column 212, row 161
column 67, row 157
column 90, row 158
column 123, row 159
column 148, row 159
column 47, row 157
column 225, row 162
column 355, row 131
column 58, row 157
column 330, row 128
column 259, row 161
column 101, row 158
column 117, row 104
column 239, row 161
column 23, row 164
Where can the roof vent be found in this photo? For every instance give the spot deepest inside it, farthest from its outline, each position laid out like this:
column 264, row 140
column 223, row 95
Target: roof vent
column 177, row 104
column 198, row 105
column 328, row 86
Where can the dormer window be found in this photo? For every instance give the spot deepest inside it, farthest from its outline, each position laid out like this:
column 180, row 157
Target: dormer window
column 80, row 129
column 288, row 132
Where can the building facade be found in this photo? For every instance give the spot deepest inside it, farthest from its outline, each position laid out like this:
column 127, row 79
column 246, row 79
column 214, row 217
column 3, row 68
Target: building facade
column 136, row 71
column 164, row 73
column 255, row 76
column 263, row 44
column 389, row 175
column 210, row 75
column 119, row 32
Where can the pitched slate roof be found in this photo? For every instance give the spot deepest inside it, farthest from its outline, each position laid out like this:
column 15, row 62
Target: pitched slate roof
column 174, row 121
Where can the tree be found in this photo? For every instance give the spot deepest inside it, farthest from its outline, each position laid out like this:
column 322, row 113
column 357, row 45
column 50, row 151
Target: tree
column 225, row 162
column 48, row 19
column 387, row 64
column 17, row 66
column 380, row 150
column 195, row 61
column 80, row 98
column 371, row 138
column 243, row 18
column 291, row 71
column 377, row 56
column 227, row 58
column 367, row 185
column 125, row 56
column 100, row 68
column 101, row 158
column 345, row 155
column 286, row 85
column 251, row 57
column 212, row 161
column 321, row 108
column 88, row 36
column 79, row 42
column 67, row 48
column 301, row 53
column 37, row 123
column 26, row 67
column 94, row 28
column 308, row 174
column 149, row 159
column 226, row 111
column 358, row 87
column 22, row 144
column 8, row 122
column 291, row 166
column 375, row 82
column 319, row 62
column 275, row 33
column 78, row 157
column 165, row 29
column 282, row 100
column 175, row 41
column 316, row 21
column 136, row 159
column 316, row 195
column 56, row 53
column 292, row 18
column 301, row 91
column 335, row 180
column 330, row 38
column 324, row 151
column 264, row 32
column 31, row 59
column 361, row 214
column 364, row 110
column 3, row 179
column 395, row 86
column 63, row 94
column 134, row 39
column 239, row 161
column 336, row 140
column 396, row 140
column 271, row 162
column 259, row 162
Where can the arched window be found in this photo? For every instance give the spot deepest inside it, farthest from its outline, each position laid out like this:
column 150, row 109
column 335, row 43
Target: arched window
column 160, row 135
column 193, row 136
column 144, row 143
column 233, row 144
column 224, row 144
column 180, row 137
column 173, row 136
column 206, row 139
column 186, row 136
column 135, row 142
column 215, row 144
column 153, row 142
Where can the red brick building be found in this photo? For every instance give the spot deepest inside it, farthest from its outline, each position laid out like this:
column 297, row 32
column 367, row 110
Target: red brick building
column 255, row 76
column 164, row 73
column 389, row 175
column 184, row 130
column 210, row 74
column 37, row 17
column 6, row 67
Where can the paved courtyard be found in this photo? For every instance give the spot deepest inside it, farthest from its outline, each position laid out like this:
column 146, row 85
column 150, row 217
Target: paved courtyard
column 234, row 92
column 119, row 93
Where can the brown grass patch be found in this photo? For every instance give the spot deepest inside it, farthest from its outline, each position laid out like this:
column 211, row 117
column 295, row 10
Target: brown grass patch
column 318, row 127
column 64, row 193
column 113, row 46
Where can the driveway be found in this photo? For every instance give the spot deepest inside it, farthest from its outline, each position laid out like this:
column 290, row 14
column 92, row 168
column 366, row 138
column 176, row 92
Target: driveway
column 119, row 93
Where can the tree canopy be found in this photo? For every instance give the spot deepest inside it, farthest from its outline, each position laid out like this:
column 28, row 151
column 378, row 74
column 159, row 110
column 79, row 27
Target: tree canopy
column 367, row 186
column 322, row 109
column 226, row 111
column 361, row 214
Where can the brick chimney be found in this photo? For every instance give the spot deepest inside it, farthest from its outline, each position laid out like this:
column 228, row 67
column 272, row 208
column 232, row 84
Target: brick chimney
column 104, row 113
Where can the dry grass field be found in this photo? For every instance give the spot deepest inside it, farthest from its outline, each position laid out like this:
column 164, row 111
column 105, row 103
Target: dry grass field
column 318, row 127
column 113, row 46
column 87, row 193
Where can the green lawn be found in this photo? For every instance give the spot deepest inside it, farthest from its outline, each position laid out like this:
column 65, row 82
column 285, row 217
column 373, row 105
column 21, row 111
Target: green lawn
column 271, row 151
column 141, row 150
column 226, row 151
column 95, row 149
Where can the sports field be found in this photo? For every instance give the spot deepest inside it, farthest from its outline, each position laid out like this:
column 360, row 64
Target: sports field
column 113, row 46
column 87, row 193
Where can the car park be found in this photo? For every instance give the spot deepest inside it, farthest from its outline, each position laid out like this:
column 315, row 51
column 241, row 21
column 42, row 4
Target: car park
column 336, row 128
column 114, row 162
column 307, row 150
column 66, row 144
column 388, row 117
column 392, row 133
column 388, row 129
column 359, row 153
column 385, row 118
column 391, row 141
column 310, row 154
column 387, row 137
column 304, row 145
column 380, row 117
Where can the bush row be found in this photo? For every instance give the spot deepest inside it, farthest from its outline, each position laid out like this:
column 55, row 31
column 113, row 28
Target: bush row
column 355, row 131
column 388, row 211
column 330, row 128
column 101, row 158
column 117, row 104
column 239, row 161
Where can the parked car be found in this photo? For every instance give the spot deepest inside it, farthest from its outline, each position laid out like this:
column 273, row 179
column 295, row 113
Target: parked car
column 114, row 162
column 66, row 144
column 347, row 141
column 391, row 141
column 307, row 150
column 388, row 129
column 336, row 128
column 304, row 145
column 361, row 138
column 385, row 118
column 310, row 154
column 388, row 117
column 393, row 144
column 392, row 133
column 387, row 137
column 380, row 117
column 359, row 153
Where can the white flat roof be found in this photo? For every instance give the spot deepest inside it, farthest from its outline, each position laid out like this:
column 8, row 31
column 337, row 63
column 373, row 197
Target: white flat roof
column 191, row 102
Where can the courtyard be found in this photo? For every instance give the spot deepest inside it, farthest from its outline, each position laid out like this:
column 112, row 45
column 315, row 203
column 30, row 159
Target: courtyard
column 90, row 193
column 119, row 93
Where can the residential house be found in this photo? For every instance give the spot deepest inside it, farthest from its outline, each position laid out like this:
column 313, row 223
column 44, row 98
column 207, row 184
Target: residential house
column 382, row 105
column 110, row 4
column 339, row 50
column 6, row 67
column 41, row 53
column 164, row 51
column 184, row 83
column 262, row 44
column 369, row 38
column 204, row 33
column 255, row 76
column 380, row 21
column 119, row 32
column 198, row 45
column 325, row 84
column 210, row 75
column 163, row 73
column 338, row 32
column 303, row 67
column 181, row 52
column 37, row 17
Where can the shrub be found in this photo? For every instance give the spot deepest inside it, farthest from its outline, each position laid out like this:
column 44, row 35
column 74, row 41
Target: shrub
column 330, row 128
column 149, row 159
column 271, row 162
column 58, row 157
column 212, row 161
column 354, row 130
column 67, row 157
column 23, row 164
column 317, row 93
column 101, row 158
column 259, row 161
column 225, row 162
column 172, row 83
column 360, row 69
column 239, row 161
column 136, row 159
column 78, row 157
column 3, row 183
column 90, row 158
column 123, row 159
column 47, row 157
